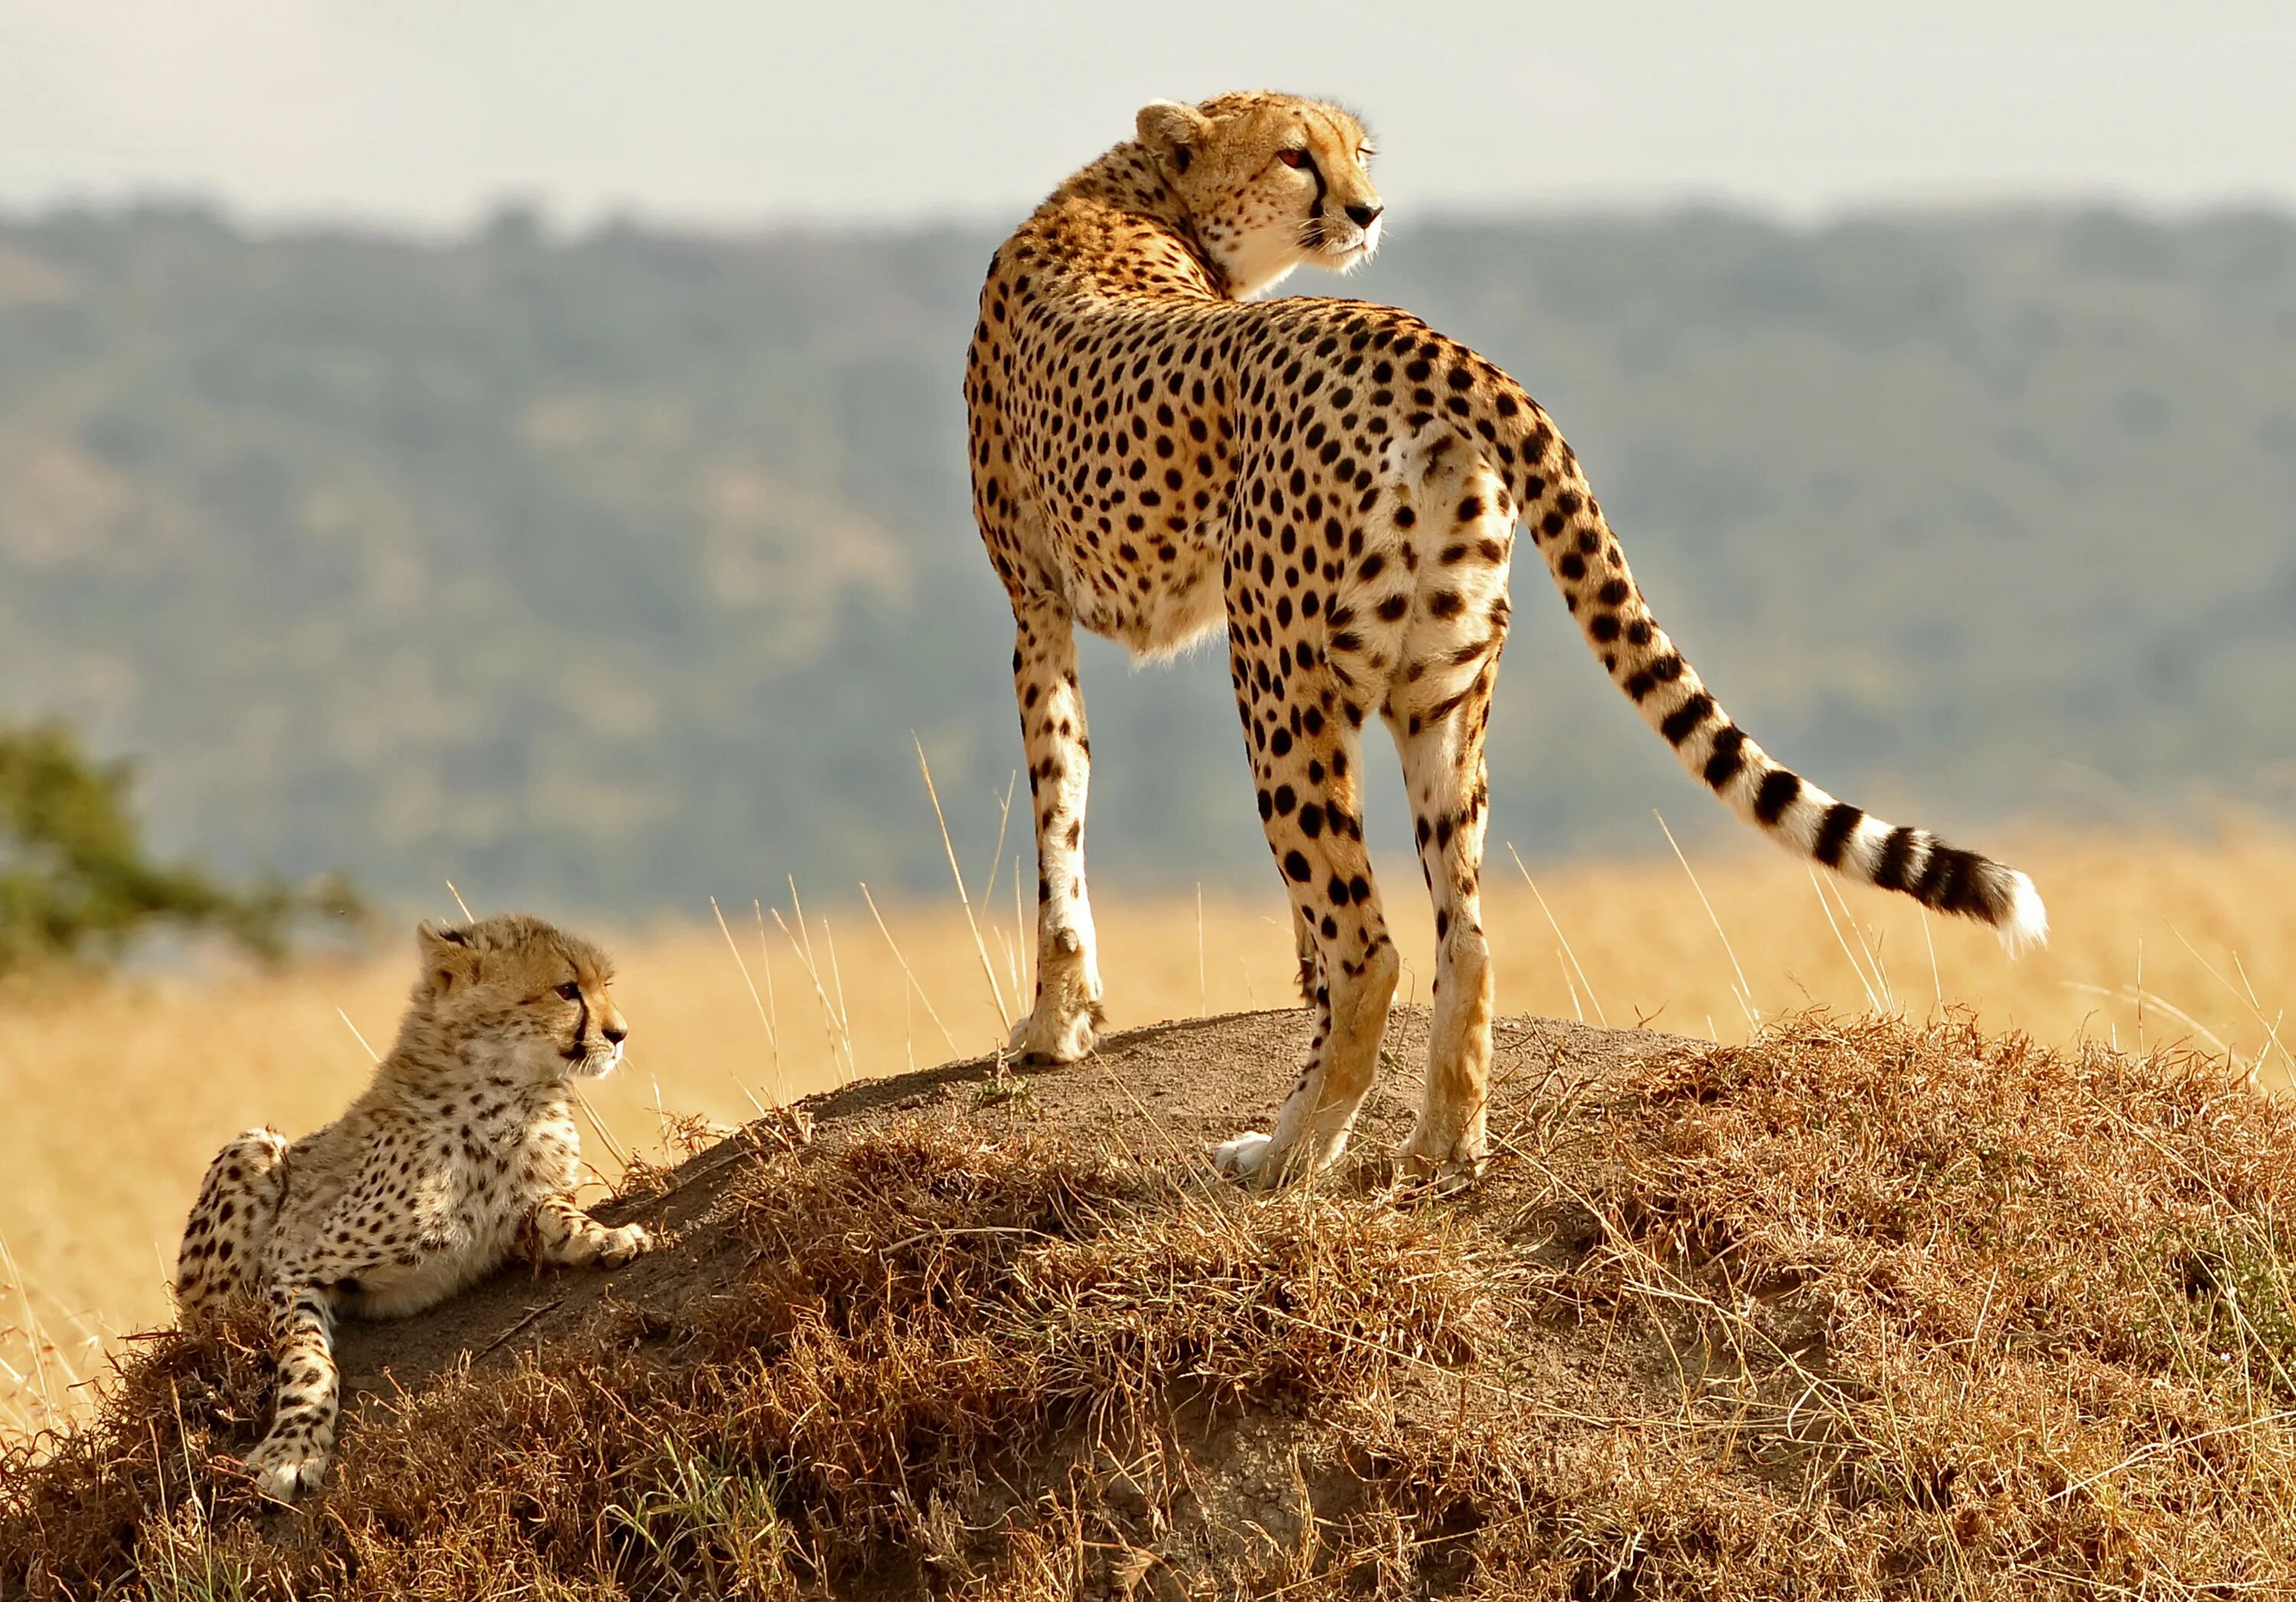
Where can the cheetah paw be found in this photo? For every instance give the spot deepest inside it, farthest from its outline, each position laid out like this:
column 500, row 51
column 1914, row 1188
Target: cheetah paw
column 284, row 1470
column 1055, row 1039
column 625, row 1245
column 1245, row 1157
column 1448, row 1171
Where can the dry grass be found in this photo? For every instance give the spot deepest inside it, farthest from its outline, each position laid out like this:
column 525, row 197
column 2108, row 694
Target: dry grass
column 158, row 1072
column 1858, row 1310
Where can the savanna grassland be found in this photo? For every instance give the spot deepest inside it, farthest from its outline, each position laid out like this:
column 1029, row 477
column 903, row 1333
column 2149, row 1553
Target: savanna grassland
column 121, row 1088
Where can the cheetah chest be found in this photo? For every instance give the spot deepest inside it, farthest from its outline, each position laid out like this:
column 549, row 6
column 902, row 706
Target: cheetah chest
column 481, row 1179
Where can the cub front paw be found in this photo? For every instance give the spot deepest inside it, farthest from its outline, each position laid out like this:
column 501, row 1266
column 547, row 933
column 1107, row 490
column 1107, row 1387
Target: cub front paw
column 619, row 1246
column 283, row 1469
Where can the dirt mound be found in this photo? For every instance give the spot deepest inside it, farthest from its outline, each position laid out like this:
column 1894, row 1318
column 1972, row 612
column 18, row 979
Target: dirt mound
column 1858, row 1310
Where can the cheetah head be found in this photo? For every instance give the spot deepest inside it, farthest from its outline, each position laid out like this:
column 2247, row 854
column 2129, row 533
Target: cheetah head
column 1270, row 181
column 519, row 989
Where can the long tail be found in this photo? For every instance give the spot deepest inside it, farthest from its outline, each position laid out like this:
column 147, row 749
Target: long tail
column 1587, row 566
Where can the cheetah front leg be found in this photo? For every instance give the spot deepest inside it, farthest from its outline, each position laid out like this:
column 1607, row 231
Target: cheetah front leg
column 557, row 1234
column 292, row 1456
column 1067, row 1015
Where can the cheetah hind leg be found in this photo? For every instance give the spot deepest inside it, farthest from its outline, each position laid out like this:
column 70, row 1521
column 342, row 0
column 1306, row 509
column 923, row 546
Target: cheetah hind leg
column 1245, row 1156
column 1315, row 837
column 220, row 1261
column 1446, row 776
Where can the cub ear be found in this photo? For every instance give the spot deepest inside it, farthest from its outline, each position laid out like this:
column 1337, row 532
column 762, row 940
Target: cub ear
column 448, row 958
column 1171, row 131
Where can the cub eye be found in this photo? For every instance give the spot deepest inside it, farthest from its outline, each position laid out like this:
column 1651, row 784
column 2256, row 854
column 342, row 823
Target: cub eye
column 1292, row 157
column 570, row 991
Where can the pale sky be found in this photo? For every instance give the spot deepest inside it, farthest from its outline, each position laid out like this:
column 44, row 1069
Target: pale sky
column 731, row 113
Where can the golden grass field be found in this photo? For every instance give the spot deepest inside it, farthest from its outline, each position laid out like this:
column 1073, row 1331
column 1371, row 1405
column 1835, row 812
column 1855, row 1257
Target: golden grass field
column 117, row 1091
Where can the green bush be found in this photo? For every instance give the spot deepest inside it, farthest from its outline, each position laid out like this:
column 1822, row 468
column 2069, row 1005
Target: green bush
column 77, row 885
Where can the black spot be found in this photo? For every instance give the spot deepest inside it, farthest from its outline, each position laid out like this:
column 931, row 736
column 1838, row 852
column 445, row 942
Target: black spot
column 1780, row 788
column 1728, row 756
column 1897, row 860
column 1952, row 883
column 1841, row 821
column 1295, row 868
column 1685, row 719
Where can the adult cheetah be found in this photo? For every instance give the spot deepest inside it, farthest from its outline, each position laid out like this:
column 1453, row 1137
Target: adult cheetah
column 462, row 1152
column 1153, row 455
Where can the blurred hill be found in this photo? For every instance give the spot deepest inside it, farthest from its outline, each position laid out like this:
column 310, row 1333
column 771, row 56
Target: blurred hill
column 615, row 570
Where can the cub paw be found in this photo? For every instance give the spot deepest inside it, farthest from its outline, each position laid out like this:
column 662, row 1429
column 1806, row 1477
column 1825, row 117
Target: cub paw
column 625, row 1245
column 283, row 1469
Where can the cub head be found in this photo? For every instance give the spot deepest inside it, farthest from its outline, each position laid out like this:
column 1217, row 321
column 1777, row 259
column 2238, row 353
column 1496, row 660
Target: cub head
column 1270, row 182
column 538, row 994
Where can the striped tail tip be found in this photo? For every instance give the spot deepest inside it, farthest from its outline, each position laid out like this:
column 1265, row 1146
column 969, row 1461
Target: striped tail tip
column 2025, row 923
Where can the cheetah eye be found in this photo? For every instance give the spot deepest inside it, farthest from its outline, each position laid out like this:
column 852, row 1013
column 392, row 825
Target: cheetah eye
column 1292, row 157
column 570, row 990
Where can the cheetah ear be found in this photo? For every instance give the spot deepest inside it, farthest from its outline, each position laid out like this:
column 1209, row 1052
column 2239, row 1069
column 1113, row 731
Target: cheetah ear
column 1172, row 132
column 447, row 953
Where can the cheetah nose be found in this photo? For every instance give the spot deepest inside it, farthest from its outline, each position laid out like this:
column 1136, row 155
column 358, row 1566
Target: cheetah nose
column 1364, row 216
column 615, row 1033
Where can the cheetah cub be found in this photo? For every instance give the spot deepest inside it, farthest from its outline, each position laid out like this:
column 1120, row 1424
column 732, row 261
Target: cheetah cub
column 461, row 1154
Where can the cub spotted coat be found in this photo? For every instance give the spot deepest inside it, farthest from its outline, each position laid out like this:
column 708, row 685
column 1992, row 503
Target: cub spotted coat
column 460, row 1154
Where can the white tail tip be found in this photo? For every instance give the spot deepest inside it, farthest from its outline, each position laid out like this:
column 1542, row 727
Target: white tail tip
column 2028, row 923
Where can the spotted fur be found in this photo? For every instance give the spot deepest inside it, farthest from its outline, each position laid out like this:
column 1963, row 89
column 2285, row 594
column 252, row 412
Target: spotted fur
column 1154, row 455
column 462, row 1154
